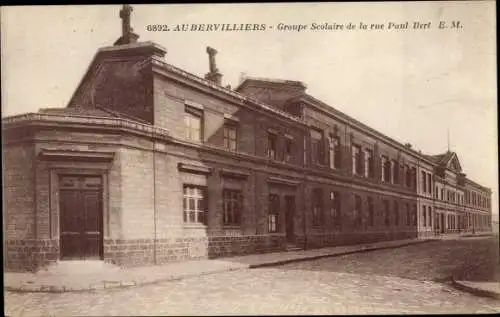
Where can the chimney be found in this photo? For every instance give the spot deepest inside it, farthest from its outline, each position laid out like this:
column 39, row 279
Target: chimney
column 213, row 75
column 243, row 75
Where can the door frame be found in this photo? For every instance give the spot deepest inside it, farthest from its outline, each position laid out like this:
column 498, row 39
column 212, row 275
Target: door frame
column 100, row 254
column 55, row 213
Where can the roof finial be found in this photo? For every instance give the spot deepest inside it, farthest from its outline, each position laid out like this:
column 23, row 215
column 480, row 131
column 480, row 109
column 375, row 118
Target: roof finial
column 128, row 36
column 125, row 13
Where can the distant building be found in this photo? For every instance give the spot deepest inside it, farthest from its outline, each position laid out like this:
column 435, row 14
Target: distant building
column 496, row 226
column 149, row 163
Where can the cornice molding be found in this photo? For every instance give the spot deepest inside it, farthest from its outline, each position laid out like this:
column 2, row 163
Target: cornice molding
column 75, row 155
column 282, row 181
column 194, row 168
column 230, row 173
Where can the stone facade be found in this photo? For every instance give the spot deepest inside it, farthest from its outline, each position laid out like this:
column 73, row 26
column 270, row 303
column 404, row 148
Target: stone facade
column 126, row 124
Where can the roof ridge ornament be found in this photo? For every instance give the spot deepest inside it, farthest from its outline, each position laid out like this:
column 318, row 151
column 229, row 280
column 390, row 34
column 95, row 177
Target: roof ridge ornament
column 128, row 36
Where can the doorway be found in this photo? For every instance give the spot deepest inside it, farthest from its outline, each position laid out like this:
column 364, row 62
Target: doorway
column 81, row 219
column 289, row 214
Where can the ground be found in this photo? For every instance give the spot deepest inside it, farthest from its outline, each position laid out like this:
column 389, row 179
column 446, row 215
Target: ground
column 391, row 281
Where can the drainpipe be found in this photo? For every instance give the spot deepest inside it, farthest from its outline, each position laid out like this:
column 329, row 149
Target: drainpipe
column 304, row 161
column 154, row 201
column 304, row 193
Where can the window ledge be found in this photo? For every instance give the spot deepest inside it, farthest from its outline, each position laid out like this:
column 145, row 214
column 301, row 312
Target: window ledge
column 231, row 226
column 194, row 226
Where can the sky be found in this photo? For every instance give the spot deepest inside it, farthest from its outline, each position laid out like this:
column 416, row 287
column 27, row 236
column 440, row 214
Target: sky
column 412, row 85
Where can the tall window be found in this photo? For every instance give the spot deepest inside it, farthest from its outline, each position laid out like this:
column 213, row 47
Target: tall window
column 194, row 204
column 368, row 163
column 424, row 182
column 371, row 211
column 407, row 176
column 396, row 213
column 288, row 149
column 429, row 183
column 271, row 145
column 317, row 146
column 273, row 213
column 386, row 169
column 436, row 192
column 424, row 216
column 230, row 137
column 357, row 211
column 414, row 215
column 385, row 204
column 318, row 206
column 193, row 123
column 335, row 208
column 232, row 202
column 408, row 214
column 334, row 152
column 395, row 172
column 429, row 216
column 414, row 177
column 442, row 193
column 357, row 163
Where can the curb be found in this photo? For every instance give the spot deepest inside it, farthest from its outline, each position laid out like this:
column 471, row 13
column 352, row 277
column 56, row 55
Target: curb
column 106, row 285
column 474, row 290
column 110, row 285
column 315, row 257
column 477, row 235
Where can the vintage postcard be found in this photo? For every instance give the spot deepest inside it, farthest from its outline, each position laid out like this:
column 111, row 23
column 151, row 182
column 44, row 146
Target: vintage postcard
column 250, row 159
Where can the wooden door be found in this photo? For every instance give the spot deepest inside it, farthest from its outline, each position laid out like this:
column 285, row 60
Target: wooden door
column 289, row 214
column 81, row 217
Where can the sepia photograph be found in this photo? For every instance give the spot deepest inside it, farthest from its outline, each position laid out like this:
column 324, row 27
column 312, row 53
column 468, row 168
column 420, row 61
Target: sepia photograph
column 250, row 159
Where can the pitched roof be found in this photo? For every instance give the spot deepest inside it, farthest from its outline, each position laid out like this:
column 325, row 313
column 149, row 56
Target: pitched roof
column 447, row 159
column 93, row 112
column 440, row 158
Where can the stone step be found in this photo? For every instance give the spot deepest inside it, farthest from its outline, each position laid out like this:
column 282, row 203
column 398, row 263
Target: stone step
column 292, row 247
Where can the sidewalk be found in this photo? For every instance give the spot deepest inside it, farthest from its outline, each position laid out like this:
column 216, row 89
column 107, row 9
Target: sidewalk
column 484, row 289
column 73, row 276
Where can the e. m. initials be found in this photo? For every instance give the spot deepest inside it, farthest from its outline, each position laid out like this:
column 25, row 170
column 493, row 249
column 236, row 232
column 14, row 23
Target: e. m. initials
column 450, row 25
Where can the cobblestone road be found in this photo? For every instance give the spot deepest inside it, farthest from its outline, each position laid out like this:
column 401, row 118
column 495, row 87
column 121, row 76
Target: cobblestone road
column 381, row 282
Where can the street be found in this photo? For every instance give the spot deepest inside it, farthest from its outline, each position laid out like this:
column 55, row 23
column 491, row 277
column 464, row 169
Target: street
column 390, row 281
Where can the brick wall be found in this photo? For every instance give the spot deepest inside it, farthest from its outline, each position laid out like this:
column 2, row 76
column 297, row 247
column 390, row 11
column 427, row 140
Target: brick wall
column 19, row 191
column 136, row 252
column 29, row 254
